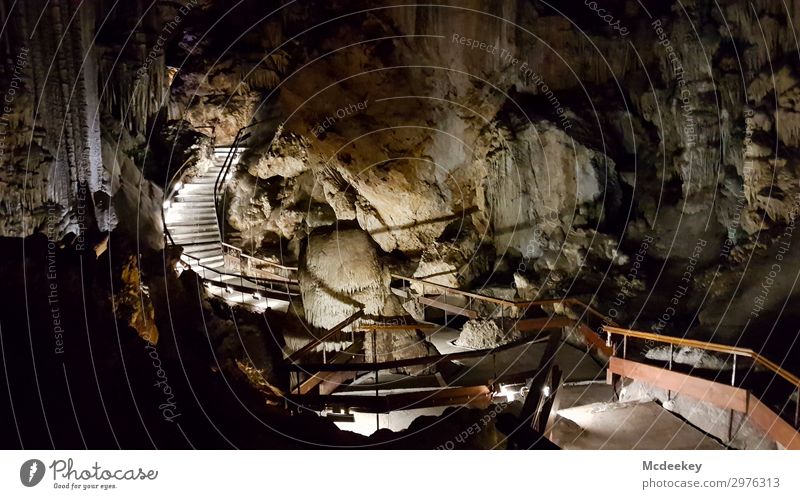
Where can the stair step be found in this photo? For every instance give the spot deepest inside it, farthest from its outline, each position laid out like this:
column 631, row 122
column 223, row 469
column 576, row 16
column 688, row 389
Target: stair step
column 194, row 205
column 193, row 248
column 207, row 238
column 176, row 221
column 184, row 208
column 206, row 253
column 209, row 258
column 182, row 240
column 196, row 188
column 205, row 201
column 205, row 190
column 218, row 265
column 193, row 198
column 191, row 220
column 190, row 215
column 193, row 230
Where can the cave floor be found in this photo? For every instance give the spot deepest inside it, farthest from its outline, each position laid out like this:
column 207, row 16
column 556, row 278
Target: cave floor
column 587, row 419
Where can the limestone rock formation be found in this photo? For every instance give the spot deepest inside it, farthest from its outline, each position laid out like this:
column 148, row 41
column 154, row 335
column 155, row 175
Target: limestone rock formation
column 332, row 288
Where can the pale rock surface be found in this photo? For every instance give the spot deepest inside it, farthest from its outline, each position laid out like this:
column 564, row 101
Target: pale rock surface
column 694, row 357
column 479, row 334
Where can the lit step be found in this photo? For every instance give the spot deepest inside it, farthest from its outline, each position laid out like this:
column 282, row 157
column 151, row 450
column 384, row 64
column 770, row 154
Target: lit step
column 176, row 221
column 209, row 258
column 193, row 230
column 198, row 188
column 183, row 239
column 188, row 208
column 192, row 198
column 208, row 253
column 194, row 248
column 193, row 222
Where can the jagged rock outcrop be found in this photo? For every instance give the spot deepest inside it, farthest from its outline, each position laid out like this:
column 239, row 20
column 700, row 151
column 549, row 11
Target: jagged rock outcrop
column 481, row 334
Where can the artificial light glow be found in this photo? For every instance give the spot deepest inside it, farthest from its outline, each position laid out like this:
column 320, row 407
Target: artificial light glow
column 507, row 393
column 546, row 391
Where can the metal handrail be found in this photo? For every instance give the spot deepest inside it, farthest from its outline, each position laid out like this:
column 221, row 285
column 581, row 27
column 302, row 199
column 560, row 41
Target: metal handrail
column 255, row 280
column 613, row 329
column 180, row 171
column 703, row 345
column 219, row 184
column 259, row 259
column 591, row 336
column 226, row 166
column 509, row 303
column 213, row 131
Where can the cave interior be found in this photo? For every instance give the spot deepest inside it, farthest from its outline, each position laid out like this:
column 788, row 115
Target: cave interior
column 472, row 224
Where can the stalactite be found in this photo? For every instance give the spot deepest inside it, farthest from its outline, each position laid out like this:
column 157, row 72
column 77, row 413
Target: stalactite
column 64, row 77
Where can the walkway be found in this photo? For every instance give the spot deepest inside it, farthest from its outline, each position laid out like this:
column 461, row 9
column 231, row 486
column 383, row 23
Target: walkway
column 190, row 219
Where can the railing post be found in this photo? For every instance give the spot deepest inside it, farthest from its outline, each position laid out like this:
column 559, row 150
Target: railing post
column 445, row 310
column 377, row 393
column 670, row 356
column 624, row 347
column 797, row 408
column 608, row 338
column 733, row 371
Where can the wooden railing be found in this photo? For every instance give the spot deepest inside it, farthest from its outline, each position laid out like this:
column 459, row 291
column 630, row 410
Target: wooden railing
column 397, row 327
column 733, row 351
column 447, row 290
column 703, row 345
column 589, row 333
column 308, row 347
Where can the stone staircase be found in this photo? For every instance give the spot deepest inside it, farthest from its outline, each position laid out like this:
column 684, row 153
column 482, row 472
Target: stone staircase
column 190, row 219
